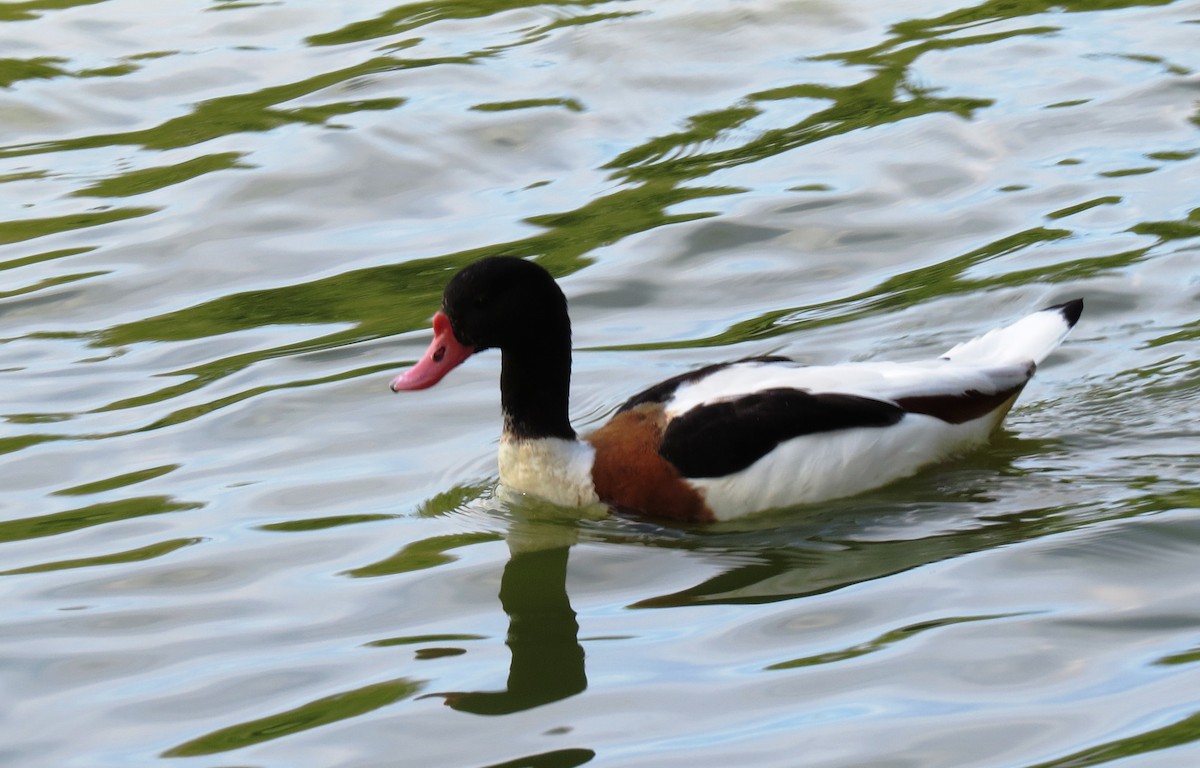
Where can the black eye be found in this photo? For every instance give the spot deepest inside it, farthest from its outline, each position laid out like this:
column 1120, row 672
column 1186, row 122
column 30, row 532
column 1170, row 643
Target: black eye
column 439, row 354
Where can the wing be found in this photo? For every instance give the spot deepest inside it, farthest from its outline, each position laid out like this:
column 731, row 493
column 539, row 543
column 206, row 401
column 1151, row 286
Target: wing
column 726, row 420
column 934, row 387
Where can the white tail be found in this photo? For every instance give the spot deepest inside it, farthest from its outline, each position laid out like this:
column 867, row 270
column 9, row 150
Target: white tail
column 1031, row 338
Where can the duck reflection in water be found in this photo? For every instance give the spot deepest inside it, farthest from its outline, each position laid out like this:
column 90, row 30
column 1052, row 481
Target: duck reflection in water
column 786, row 557
column 543, row 634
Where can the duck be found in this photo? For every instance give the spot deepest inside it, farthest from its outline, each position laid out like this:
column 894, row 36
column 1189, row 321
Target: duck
column 729, row 439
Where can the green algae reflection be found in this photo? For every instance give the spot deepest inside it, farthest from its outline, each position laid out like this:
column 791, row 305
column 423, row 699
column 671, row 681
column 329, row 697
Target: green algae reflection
column 92, row 515
column 138, row 555
column 383, row 301
column 654, row 177
column 314, row 714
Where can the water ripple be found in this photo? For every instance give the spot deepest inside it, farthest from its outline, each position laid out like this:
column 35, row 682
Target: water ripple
column 225, row 223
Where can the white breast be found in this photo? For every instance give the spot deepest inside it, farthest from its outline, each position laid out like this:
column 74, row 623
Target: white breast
column 551, row 468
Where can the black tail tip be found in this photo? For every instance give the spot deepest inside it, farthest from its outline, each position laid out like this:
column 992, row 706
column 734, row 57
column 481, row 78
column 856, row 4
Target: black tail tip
column 1071, row 310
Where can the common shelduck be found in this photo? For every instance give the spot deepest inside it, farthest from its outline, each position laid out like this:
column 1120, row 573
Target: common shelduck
column 729, row 439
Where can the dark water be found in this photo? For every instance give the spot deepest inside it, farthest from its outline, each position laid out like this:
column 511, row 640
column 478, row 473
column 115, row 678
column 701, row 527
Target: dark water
column 226, row 224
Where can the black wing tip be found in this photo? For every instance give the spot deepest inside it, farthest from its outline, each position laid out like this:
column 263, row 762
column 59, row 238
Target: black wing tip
column 1070, row 310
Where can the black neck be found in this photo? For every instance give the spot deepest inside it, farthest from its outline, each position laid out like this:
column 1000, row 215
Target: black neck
column 535, row 388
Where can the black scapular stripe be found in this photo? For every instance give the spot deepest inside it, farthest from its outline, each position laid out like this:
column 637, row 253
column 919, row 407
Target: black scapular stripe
column 720, row 438
column 663, row 390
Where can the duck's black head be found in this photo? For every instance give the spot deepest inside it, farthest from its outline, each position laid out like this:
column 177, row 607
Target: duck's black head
column 513, row 305
column 505, row 302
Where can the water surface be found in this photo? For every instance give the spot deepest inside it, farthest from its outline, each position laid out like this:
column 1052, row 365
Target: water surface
column 226, row 224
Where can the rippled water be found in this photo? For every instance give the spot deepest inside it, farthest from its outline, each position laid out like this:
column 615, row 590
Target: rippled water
column 226, row 224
